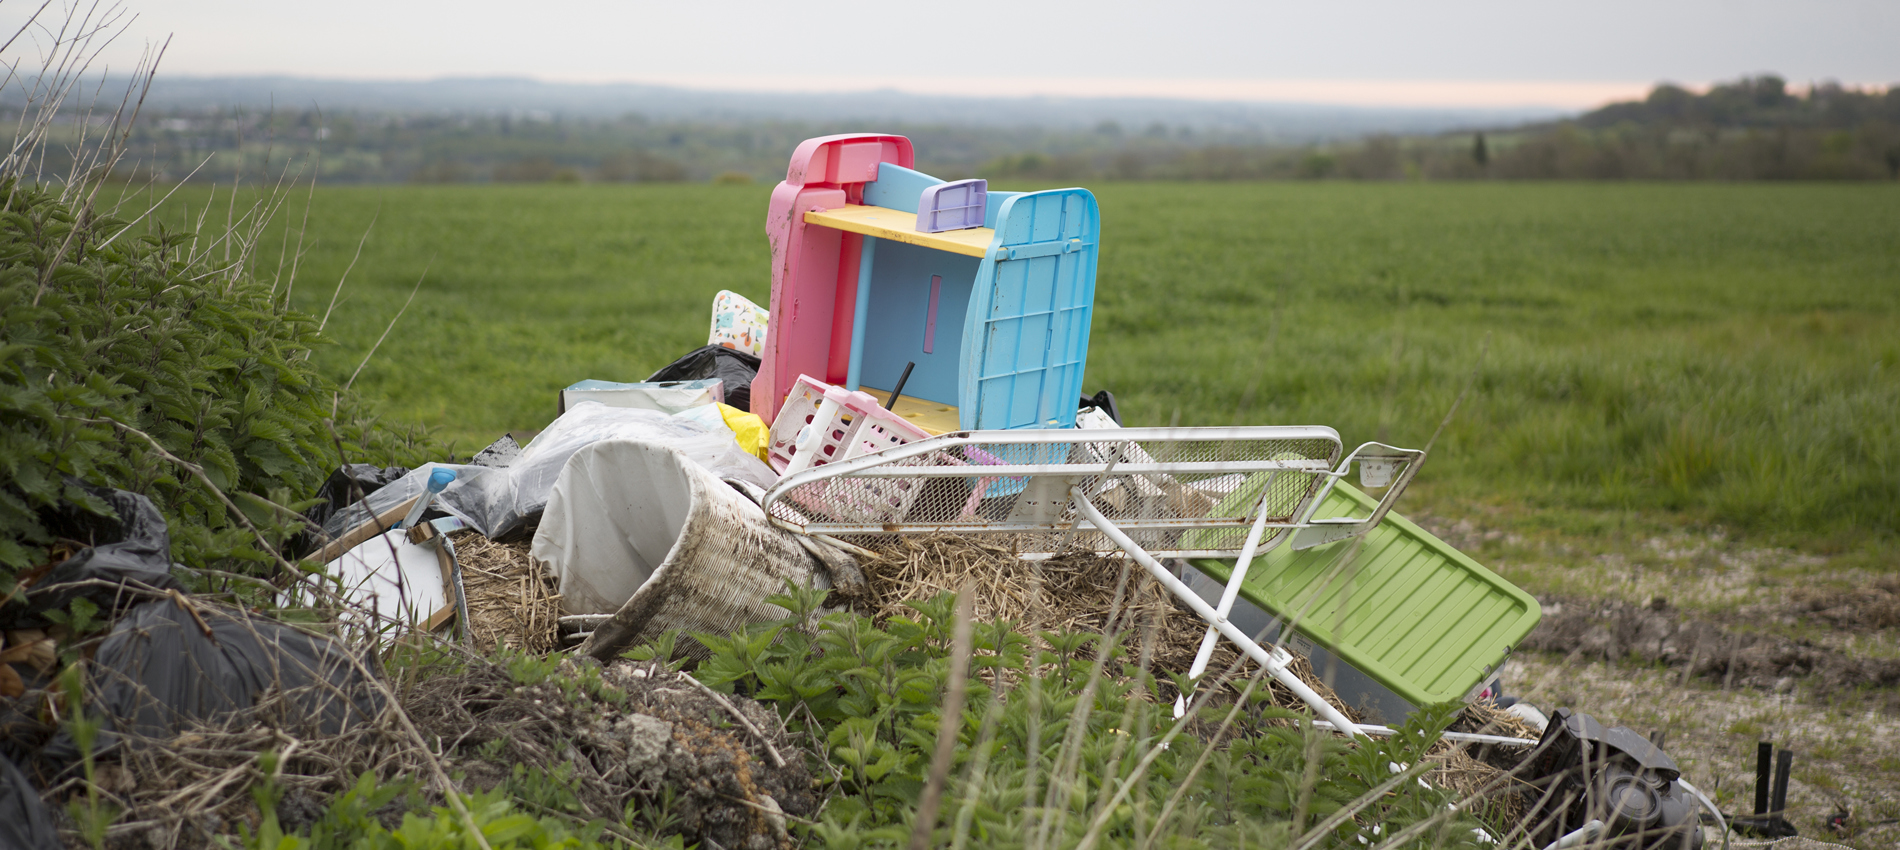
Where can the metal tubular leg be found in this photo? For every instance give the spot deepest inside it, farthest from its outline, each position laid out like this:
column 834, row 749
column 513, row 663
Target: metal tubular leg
column 1232, row 590
column 1275, row 661
column 1460, row 737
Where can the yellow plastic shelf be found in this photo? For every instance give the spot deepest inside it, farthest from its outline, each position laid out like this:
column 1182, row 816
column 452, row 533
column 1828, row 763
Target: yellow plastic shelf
column 901, row 226
column 931, row 416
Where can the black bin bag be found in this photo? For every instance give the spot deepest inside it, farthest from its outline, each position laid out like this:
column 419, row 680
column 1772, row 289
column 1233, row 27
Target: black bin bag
column 25, row 824
column 159, row 673
column 131, row 547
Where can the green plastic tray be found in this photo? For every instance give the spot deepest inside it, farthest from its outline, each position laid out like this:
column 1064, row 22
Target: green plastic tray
column 1419, row 617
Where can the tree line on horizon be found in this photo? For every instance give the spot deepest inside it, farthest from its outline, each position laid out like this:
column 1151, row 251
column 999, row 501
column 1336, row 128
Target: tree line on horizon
column 1754, row 128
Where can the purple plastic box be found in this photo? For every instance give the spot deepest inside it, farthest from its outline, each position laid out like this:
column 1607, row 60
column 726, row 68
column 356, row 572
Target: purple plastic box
column 957, row 205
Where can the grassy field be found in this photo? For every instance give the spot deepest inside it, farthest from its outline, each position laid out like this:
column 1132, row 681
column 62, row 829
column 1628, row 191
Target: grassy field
column 1715, row 355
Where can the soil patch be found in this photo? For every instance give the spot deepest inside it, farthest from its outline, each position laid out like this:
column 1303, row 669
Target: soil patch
column 1868, row 608
column 641, row 734
column 1656, row 633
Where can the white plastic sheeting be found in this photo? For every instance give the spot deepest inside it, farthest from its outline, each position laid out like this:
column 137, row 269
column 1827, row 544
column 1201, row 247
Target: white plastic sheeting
column 500, row 501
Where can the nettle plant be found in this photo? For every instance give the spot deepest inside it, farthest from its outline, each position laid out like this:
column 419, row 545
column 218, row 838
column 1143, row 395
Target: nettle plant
column 149, row 358
column 129, row 356
column 1063, row 743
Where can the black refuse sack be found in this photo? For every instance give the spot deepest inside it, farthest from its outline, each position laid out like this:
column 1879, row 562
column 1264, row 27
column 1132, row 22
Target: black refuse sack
column 735, row 368
column 158, row 672
column 350, row 482
column 131, row 547
column 25, row 823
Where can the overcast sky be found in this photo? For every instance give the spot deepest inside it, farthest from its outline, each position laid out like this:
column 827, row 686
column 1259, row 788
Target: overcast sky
column 1570, row 54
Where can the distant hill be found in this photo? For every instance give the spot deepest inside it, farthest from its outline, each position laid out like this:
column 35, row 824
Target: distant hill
column 1753, row 103
column 1257, row 122
column 517, row 130
column 1753, row 128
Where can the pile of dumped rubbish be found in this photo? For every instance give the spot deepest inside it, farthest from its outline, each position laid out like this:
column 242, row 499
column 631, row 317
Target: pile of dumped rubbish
column 772, row 457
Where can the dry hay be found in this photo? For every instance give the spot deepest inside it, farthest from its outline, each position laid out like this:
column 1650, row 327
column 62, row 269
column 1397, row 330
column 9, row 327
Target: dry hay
column 1073, row 591
column 193, row 789
column 513, row 602
column 1485, row 718
column 1481, row 770
column 645, row 739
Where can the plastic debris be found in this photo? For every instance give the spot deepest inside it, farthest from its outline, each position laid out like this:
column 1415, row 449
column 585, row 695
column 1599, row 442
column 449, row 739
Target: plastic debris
column 735, row 369
column 1615, row 776
column 350, row 482
column 25, row 824
column 820, row 423
column 504, row 503
column 130, row 547
column 639, row 531
column 170, row 663
column 738, row 324
column 402, row 581
column 664, row 396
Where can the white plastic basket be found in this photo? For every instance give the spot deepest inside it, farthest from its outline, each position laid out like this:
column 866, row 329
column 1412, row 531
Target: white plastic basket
column 857, row 426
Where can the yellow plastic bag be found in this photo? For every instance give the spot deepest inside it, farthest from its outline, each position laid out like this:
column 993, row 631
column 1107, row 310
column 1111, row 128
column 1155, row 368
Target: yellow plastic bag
column 748, row 429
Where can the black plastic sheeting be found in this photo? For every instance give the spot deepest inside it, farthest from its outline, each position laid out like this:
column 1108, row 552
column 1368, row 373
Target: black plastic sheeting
column 735, row 368
column 158, row 672
column 349, row 483
column 25, row 824
column 132, row 546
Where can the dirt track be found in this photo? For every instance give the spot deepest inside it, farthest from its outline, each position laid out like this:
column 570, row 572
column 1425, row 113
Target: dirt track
column 1658, row 634
column 1718, row 684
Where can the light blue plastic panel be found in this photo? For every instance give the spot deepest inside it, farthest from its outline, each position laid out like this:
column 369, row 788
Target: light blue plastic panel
column 897, row 188
column 898, row 319
column 1027, row 336
column 994, row 205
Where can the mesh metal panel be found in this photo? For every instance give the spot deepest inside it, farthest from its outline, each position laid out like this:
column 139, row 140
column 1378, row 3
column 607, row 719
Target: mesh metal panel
column 1179, row 492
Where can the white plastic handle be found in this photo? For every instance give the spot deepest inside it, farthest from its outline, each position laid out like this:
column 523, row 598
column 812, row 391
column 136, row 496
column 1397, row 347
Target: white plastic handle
column 810, row 438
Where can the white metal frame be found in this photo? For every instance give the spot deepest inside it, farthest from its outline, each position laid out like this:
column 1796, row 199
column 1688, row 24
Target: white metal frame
column 1302, row 531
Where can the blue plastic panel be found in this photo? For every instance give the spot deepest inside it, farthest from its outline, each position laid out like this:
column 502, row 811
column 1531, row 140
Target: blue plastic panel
column 898, row 311
column 1027, row 335
column 897, row 188
column 993, row 204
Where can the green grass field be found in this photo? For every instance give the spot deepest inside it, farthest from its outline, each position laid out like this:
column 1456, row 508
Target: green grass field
column 1708, row 354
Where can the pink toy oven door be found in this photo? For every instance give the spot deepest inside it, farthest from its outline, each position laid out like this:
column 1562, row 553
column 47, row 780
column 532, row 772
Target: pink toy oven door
column 815, row 269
